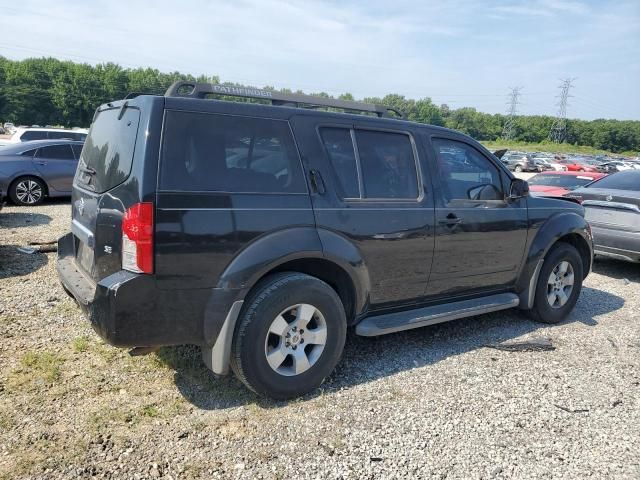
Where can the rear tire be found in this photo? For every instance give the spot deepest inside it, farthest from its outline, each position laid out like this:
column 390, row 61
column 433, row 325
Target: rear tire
column 290, row 336
column 27, row 191
column 518, row 168
column 559, row 284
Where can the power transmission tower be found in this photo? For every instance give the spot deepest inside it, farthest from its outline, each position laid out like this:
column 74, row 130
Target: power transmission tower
column 559, row 128
column 512, row 103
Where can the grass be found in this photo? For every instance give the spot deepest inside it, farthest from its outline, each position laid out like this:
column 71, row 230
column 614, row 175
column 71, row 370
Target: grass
column 80, row 344
column 551, row 147
column 44, row 366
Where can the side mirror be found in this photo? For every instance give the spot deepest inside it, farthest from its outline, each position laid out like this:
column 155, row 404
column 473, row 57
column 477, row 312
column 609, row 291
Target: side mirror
column 519, row 188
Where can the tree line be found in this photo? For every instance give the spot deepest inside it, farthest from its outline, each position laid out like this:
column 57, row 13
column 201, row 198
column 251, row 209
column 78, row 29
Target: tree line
column 47, row 91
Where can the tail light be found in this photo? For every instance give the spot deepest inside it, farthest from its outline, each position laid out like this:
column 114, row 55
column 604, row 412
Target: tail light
column 137, row 238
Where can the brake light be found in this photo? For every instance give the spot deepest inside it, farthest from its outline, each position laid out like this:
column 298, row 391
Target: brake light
column 137, row 238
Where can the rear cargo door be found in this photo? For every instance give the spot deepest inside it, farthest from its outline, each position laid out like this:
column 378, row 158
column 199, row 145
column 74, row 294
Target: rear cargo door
column 105, row 163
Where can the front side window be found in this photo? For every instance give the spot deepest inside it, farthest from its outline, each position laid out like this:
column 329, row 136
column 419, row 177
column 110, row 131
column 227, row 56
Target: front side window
column 384, row 167
column 209, row 152
column 465, row 174
column 56, row 152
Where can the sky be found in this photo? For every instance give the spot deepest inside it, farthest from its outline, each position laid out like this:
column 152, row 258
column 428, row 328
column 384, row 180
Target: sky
column 458, row 52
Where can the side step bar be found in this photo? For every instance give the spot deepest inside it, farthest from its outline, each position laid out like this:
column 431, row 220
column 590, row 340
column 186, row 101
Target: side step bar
column 421, row 317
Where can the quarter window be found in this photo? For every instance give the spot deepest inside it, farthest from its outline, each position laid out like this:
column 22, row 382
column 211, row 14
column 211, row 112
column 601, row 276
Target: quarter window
column 384, row 167
column 465, row 173
column 339, row 146
column 209, row 152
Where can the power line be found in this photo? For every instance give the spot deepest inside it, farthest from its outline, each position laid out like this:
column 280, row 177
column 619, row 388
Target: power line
column 558, row 130
column 507, row 131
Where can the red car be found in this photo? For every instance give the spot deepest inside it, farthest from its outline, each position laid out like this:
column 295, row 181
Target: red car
column 557, row 184
column 574, row 166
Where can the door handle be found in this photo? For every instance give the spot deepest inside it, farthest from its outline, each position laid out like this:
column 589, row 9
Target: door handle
column 316, row 182
column 42, row 163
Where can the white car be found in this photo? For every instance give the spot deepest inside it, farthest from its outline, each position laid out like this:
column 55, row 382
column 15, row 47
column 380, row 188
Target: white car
column 558, row 167
column 25, row 134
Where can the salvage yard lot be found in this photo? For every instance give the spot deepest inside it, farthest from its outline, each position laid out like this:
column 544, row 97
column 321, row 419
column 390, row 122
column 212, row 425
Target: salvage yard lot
column 433, row 402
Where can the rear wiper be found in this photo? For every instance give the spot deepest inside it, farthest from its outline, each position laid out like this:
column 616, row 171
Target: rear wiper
column 88, row 170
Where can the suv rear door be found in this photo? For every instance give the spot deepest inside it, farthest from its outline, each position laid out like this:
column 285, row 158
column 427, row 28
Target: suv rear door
column 374, row 194
column 480, row 236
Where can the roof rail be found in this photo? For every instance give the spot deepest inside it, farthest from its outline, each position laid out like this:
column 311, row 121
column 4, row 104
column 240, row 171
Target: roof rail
column 202, row 90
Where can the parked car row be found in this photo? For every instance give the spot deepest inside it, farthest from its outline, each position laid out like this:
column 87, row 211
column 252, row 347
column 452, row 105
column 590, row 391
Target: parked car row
column 540, row 162
column 25, row 134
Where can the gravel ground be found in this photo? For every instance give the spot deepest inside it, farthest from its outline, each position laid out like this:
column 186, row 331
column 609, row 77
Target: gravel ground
column 429, row 403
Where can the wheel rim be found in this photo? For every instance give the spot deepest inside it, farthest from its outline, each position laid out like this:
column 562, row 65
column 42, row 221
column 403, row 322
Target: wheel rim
column 29, row 191
column 560, row 285
column 296, row 339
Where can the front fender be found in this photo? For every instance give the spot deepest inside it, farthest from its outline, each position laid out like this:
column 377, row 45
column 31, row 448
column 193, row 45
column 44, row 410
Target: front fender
column 548, row 232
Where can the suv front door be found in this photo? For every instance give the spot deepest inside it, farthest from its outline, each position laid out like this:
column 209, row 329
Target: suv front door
column 375, row 195
column 480, row 234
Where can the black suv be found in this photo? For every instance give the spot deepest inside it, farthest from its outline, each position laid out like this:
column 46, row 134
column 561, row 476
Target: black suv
column 261, row 230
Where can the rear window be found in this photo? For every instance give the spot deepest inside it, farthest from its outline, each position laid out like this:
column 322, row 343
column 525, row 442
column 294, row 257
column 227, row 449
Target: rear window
column 212, row 152
column 108, row 151
column 628, row 180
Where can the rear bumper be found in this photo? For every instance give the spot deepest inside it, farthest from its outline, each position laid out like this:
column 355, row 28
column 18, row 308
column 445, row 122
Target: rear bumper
column 128, row 310
column 616, row 243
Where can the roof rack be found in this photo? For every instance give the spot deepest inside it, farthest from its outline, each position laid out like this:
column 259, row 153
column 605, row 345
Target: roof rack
column 202, row 90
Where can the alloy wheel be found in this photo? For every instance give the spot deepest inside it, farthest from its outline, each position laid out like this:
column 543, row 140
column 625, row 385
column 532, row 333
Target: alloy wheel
column 29, row 192
column 296, row 339
column 560, row 285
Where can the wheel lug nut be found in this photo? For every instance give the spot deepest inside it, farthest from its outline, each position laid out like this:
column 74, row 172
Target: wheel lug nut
column 294, row 347
column 302, row 340
column 301, row 331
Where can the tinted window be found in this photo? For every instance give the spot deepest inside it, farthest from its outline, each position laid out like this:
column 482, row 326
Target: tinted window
column 60, row 135
column 108, row 152
column 339, row 146
column 56, row 152
column 465, row 173
column 628, row 180
column 387, row 164
column 77, row 150
column 33, row 135
column 29, row 153
column 225, row 153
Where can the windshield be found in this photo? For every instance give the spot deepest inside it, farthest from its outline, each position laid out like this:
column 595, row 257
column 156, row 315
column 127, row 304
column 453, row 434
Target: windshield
column 569, row 182
column 628, row 180
column 108, row 151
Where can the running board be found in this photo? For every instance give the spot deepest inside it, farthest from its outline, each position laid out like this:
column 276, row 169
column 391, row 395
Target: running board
column 421, row 317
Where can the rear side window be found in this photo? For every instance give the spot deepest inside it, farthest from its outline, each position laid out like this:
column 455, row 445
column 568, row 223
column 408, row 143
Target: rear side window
column 383, row 168
column 108, row 152
column 388, row 165
column 33, row 135
column 60, row 135
column 211, row 152
column 628, row 180
column 56, row 152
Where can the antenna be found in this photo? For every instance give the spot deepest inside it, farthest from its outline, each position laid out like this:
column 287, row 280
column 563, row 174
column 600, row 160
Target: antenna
column 512, row 103
column 558, row 130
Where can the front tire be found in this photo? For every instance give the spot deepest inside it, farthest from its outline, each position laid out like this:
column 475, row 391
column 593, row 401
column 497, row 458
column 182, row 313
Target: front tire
column 290, row 336
column 559, row 284
column 518, row 168
column 27, row 191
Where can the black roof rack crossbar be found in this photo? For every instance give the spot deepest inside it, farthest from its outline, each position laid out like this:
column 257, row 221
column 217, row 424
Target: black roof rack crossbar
column 202, row 90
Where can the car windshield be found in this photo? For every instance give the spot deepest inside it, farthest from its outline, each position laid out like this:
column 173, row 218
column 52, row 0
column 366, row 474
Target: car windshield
column 569, row 182
column 627, row 180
